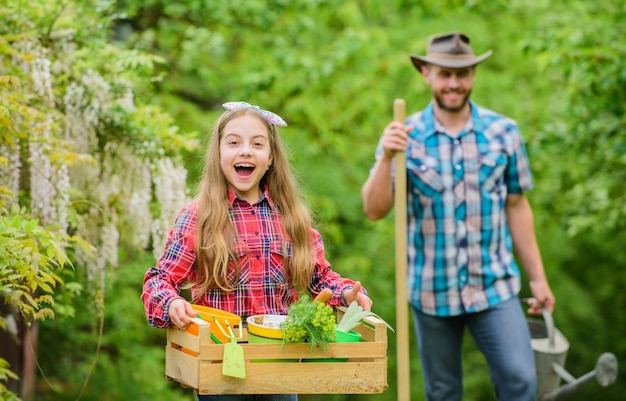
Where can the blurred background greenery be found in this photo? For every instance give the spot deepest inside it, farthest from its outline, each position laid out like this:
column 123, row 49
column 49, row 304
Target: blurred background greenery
column 331, row 69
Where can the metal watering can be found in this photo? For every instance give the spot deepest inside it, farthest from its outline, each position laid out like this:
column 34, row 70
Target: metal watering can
column 550, row 348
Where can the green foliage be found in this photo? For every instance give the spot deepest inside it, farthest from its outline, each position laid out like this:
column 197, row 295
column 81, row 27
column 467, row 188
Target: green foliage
column 587, row 62
column 71, row 105
column 5, row 375
column 131, row 363
column 31, row 257
column 28, row 256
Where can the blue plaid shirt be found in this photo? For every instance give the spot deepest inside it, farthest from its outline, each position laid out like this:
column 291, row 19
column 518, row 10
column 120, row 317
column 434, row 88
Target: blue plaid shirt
column 459, row 247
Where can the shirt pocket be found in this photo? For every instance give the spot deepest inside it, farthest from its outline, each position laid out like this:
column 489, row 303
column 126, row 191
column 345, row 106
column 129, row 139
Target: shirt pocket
column 276, row 267
column 425, row 177
column 243, row 254
column 492, row 166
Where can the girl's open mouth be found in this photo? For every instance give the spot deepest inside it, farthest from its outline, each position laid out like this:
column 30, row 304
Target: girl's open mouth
column 244, row 170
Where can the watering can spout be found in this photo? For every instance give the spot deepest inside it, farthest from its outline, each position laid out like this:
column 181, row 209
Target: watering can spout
column 550, row 350
column 605, row 373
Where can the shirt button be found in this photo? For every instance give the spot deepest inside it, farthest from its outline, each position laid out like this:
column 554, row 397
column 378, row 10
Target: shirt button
column 258, row 256
column 253, row 213
column 423, row 168
column 259, row 279
column 260, row 303
column 458, row 166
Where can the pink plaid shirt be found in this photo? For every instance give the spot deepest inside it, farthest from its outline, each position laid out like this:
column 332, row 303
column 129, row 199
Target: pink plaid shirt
column 263, row 286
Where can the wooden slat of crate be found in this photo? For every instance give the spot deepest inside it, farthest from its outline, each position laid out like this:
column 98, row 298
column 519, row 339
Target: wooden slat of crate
column 195, row 362
column 297, row 377
column 356, row 351
column 182, row 368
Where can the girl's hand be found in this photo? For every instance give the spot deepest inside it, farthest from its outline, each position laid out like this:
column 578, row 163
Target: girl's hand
column 355, row 293
column 180, row 312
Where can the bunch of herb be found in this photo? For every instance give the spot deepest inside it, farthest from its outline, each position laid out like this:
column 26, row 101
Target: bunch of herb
column 310, row 321
column 353, row 316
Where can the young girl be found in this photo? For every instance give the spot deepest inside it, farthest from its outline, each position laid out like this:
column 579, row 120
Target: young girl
column 245, row 244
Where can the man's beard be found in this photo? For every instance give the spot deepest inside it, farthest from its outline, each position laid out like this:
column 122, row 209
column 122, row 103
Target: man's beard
column 457, row 109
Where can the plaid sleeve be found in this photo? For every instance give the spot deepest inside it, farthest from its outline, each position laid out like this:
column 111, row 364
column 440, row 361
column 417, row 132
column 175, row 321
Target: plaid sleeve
column 324, row 276
column 162, row 282
column 518, row 174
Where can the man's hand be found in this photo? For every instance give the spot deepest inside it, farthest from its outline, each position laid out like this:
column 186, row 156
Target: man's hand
column 542, row 296
column 395, row 138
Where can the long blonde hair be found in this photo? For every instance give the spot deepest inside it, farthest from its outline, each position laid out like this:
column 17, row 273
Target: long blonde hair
column 216, row 234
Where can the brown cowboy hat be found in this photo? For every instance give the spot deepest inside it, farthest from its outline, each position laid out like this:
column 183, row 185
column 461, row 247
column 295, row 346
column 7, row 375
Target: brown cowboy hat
column 450, row 50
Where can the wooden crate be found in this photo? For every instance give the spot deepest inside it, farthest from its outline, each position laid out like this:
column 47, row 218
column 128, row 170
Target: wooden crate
column 195, row 362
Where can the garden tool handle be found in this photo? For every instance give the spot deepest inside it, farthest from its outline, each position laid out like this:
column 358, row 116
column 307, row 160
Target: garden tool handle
column 402, row 311
column 547, row 318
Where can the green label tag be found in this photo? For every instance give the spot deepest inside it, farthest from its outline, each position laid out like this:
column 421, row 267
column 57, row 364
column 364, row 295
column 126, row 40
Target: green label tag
column 234, row 362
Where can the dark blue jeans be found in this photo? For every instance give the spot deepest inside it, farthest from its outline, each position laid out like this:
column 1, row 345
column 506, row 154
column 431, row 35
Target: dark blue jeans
column 249, row 397
column 502, row 335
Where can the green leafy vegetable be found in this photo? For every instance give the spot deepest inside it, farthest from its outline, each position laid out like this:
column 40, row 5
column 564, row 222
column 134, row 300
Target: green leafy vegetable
column 310, row 321
column 353, row 316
